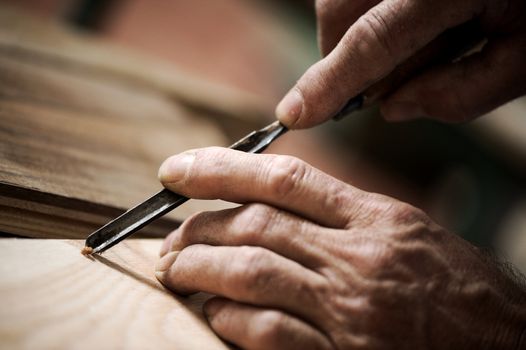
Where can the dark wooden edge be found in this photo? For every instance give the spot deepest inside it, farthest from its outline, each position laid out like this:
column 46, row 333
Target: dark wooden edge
column 33, row 213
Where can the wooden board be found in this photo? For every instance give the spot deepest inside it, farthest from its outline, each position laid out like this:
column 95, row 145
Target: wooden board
column 52, row 297
column 94, row 159
column 104, row 146
column 79, row 146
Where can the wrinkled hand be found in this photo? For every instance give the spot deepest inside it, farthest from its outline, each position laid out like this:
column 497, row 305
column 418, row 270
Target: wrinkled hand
column 364, row 40
column 309, row 262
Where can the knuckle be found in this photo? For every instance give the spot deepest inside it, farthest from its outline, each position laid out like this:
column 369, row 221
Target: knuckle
column 403, row 213
column 375, row 207
column 271, row 324
column 376, row 41
column 284, row 174
column 383, row 259
column 368, row 208
column 253, row 220
column 251, row 272
column 379, row 260
column 337, row 196
column 322, row 292
column 385, row 206
column 377, row 29
column 187, row 231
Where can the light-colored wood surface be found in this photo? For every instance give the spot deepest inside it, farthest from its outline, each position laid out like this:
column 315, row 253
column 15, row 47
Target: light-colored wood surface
column 52, row 297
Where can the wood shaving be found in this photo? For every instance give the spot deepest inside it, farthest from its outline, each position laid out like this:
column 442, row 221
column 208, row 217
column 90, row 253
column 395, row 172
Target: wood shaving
column 87, row 251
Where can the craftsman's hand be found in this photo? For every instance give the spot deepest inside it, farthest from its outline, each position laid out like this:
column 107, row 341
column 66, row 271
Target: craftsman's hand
column 309, row 262
column 364, row 40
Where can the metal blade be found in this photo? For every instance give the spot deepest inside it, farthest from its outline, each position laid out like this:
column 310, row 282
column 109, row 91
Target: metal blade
column 165, row 201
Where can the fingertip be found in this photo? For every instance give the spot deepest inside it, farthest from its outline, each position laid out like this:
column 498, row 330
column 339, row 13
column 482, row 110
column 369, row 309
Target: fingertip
column 289, row 110
column 174, row 169
column 164, row 169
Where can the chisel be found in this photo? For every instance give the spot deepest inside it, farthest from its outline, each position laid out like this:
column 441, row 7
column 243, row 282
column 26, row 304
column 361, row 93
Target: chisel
column 444, row 49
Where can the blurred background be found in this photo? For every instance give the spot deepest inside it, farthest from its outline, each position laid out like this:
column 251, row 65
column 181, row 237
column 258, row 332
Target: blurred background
column 469, row 178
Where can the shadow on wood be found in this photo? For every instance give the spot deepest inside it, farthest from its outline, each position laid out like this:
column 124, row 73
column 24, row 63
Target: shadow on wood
column 52, row 297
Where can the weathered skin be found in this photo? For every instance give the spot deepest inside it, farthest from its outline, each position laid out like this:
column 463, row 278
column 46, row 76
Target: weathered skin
column 364, row 40
column 311, row 262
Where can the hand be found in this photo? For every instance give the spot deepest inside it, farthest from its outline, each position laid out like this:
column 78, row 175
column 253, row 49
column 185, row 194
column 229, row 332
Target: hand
column 364, row 40
column 309, row 262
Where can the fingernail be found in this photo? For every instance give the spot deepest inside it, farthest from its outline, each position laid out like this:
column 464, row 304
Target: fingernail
column 289, row 109
column 174, row 168
column 402, row 110
column 165, row 263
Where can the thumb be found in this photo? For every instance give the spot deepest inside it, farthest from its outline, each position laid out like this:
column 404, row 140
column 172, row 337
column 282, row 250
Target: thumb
column 371, row 48
column 317, row 96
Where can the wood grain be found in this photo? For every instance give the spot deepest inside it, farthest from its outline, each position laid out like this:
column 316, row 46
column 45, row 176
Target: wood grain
column 80, row 143
column 52, row 297
column 94, row 165
column 27, row 212
column 87, row 154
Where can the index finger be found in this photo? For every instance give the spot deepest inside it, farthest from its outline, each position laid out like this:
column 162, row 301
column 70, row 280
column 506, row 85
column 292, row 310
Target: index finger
column 281, row 181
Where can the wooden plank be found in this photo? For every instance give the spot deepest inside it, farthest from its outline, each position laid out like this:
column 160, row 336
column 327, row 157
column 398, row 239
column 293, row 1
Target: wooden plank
column 90, row 146
column 109, row 159
column 27, row 212
column 52, row 297
column 84, row 168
